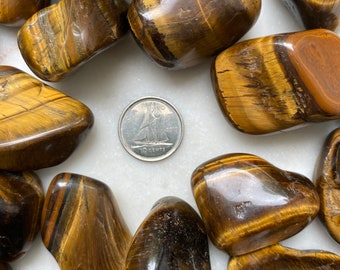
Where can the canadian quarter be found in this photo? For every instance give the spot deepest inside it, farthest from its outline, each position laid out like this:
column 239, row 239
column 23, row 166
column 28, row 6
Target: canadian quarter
column 151, row 129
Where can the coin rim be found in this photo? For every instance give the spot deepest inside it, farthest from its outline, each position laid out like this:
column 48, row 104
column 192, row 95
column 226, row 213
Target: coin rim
column 125, row 144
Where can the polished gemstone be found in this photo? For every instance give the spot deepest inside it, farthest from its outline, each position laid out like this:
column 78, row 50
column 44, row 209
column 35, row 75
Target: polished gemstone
column 279, row 82
column 39, row 126
column 315, row 13
column 283, row 258
column 82, row 225
column 247, row 203
column 16, row 12
column 21, row 201
column 171, row 237
column 58, row 39
column 178, row 34
column 327, row 178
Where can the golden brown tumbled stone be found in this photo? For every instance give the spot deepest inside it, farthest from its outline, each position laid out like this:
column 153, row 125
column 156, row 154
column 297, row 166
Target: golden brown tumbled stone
column 282, row 258
column 279, row 82
column 178, row 34
column 327, row 177
column 171, row 237
column 82, row 226
column 21, row 201
column 246, row 203
column 316, row 13
column 39, row 125
column 58, row 39
column 16, row 12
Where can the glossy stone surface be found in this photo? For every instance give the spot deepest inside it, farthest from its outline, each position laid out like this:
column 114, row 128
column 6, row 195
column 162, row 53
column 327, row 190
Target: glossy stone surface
column 171, row 237
column 315, row 13
column 39, row 125
column 178, row 34
column 283, row 258
column 247, row 203
column 16, row 12
column 279, row 82
column 327, row 179
column 63, row 36
column 21, row 201
column 82, row 226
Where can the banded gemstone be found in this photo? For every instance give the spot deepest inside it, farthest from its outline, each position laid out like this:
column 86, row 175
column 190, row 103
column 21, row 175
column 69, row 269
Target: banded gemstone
column 247, row 203
column 278, row 82
column 82, row 225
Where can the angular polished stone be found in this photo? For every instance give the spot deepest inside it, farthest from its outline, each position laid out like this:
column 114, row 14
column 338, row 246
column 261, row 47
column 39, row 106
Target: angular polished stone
column 327, row 179
column 247, row 203
column 179, row 34
column 171, row 237
column 82, row 226
column 315, row 13
column 21, row 201
column 279, row 82
column 60, row 38
column 283, row 258
column 16, row 12
column 39, row 126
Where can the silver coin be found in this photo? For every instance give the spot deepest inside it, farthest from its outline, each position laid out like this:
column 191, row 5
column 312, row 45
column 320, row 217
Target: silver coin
column 150, row 129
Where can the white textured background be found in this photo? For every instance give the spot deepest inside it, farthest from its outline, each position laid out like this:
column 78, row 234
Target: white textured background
column 122, row 74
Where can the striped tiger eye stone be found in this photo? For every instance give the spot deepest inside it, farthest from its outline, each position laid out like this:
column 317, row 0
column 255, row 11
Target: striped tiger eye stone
column 60, row 38
column 327, row 178
column 247, row 204
column 82, row 226
column 21, row 201
column 179, row 34
column 279, row 82
column 315, row 13
column 171, row 237
column 283, row 258
column 39, row 125
column 16, row 12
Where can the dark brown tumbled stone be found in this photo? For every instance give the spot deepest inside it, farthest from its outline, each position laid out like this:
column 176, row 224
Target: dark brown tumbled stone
column 82, row 226
column 39, row 125
column 315, row 13
column 16, row 12
column 178, row 34
column 21, row 201
column 279, row 82
column 247, row 203
column 327, row 178
column 282, row 258
column 60, row 38
column 171, row 237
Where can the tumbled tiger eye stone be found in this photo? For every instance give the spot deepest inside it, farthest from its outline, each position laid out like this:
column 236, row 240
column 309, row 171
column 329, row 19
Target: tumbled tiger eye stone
column 178, row 34
column 247, row 203
column 279, row 82
column 171, row 237
column 39, row 125
column 16, row 12
column 327, row 178
column 60, row 38
column 82, row 226
column 21, row 201
column 316, row 13
column 283, row 258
